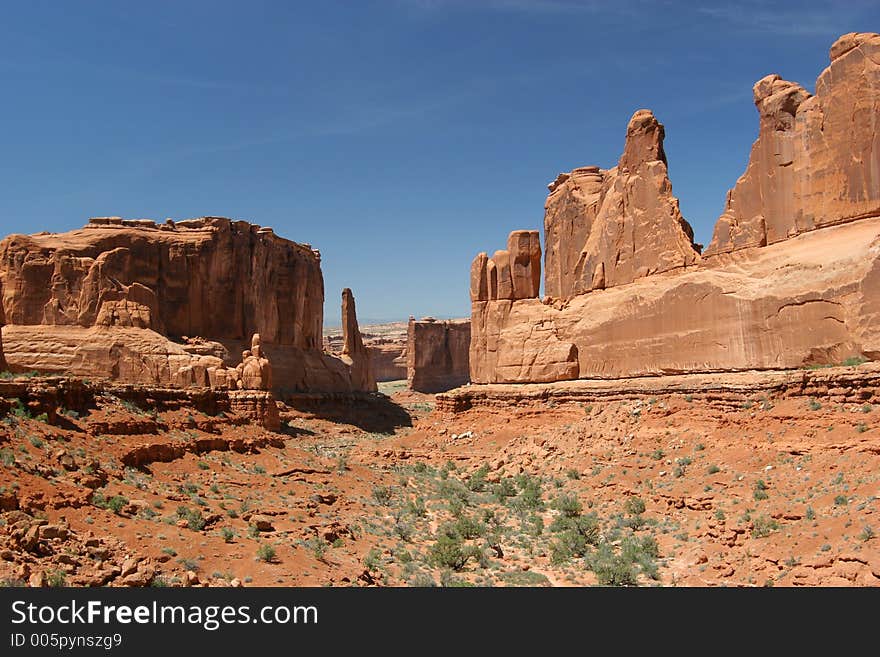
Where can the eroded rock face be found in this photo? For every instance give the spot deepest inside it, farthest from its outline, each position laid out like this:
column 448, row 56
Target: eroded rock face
column 168, row 305
column 210, row 277
column 388, row 359
column 437, row 354
column 799, row 297
column 512, row 273
column 257, row 405
column 809, row 300
column 254, row 372
column 816, row 161
column 354, row 354
column 3, row 365
column 610, row 227
column 512, row 342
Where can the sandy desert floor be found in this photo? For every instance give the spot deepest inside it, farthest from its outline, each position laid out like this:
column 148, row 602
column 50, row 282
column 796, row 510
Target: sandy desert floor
column 658, row 490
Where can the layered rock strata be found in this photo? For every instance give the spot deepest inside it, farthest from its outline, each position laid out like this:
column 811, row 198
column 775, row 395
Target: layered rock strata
column 166, row 304
column 437, row 356
column 604, row 228
column 816, row 161
column 639, row 299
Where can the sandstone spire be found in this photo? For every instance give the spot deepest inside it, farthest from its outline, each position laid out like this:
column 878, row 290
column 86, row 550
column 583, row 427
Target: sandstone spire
column 610, row 227
column 354, row 354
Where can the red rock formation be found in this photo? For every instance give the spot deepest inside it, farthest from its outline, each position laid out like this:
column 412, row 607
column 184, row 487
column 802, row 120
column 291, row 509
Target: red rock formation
column 569, row 214
column 813, row 299
column 3, row 365
column 386, row 347
column 255, row 371
column 437, row 354
column 387, row 359
column 208, row 277
column 804, row 299
column 514, row 273
column 257, row 405
column 113, row 299
column 607, row 228
column 816, row 161
column 354, row 354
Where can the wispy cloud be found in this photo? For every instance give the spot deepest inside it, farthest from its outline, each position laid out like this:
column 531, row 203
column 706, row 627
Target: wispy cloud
column 799, row 20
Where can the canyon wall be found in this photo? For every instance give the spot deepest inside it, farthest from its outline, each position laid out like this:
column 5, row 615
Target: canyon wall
column 388, row 359
column 3, row 365
column 160, row 304
column 386, row 348
column 437, row 354
column 816, row 161
column 628, row 292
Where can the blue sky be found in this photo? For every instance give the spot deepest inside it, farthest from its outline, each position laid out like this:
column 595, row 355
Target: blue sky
column 399, row 137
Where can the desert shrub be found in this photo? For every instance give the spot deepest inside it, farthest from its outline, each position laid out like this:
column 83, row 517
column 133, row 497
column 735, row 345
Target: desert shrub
column 573, row 535
column 373, row 559
column 763, row 526
column 612, row 569
column 318, row 547
column 193, row 517
column 131, row 407
column 421, row 580
column 7, row 457
column 568, row 505
column 265, row 552
column 504, row 489
column 416, row 507
column 477, row 481
column 383, row 495
column 524, row 578
column 634, row 505
column 116, row 503
column 465, row 527
column 529, row 497
column 448, row 580
column 403, row 528
column 56, row 578
column 454, row 490
column 760, row 492
column 228, row 534
column 451, row 552
column 447, row 552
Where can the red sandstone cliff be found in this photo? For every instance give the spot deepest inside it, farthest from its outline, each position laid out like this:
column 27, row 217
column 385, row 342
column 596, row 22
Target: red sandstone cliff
column 116, row 298
column 640, row 300
column 3, row 364
column 816, row 161
column 437, row 354
column 606, row 228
